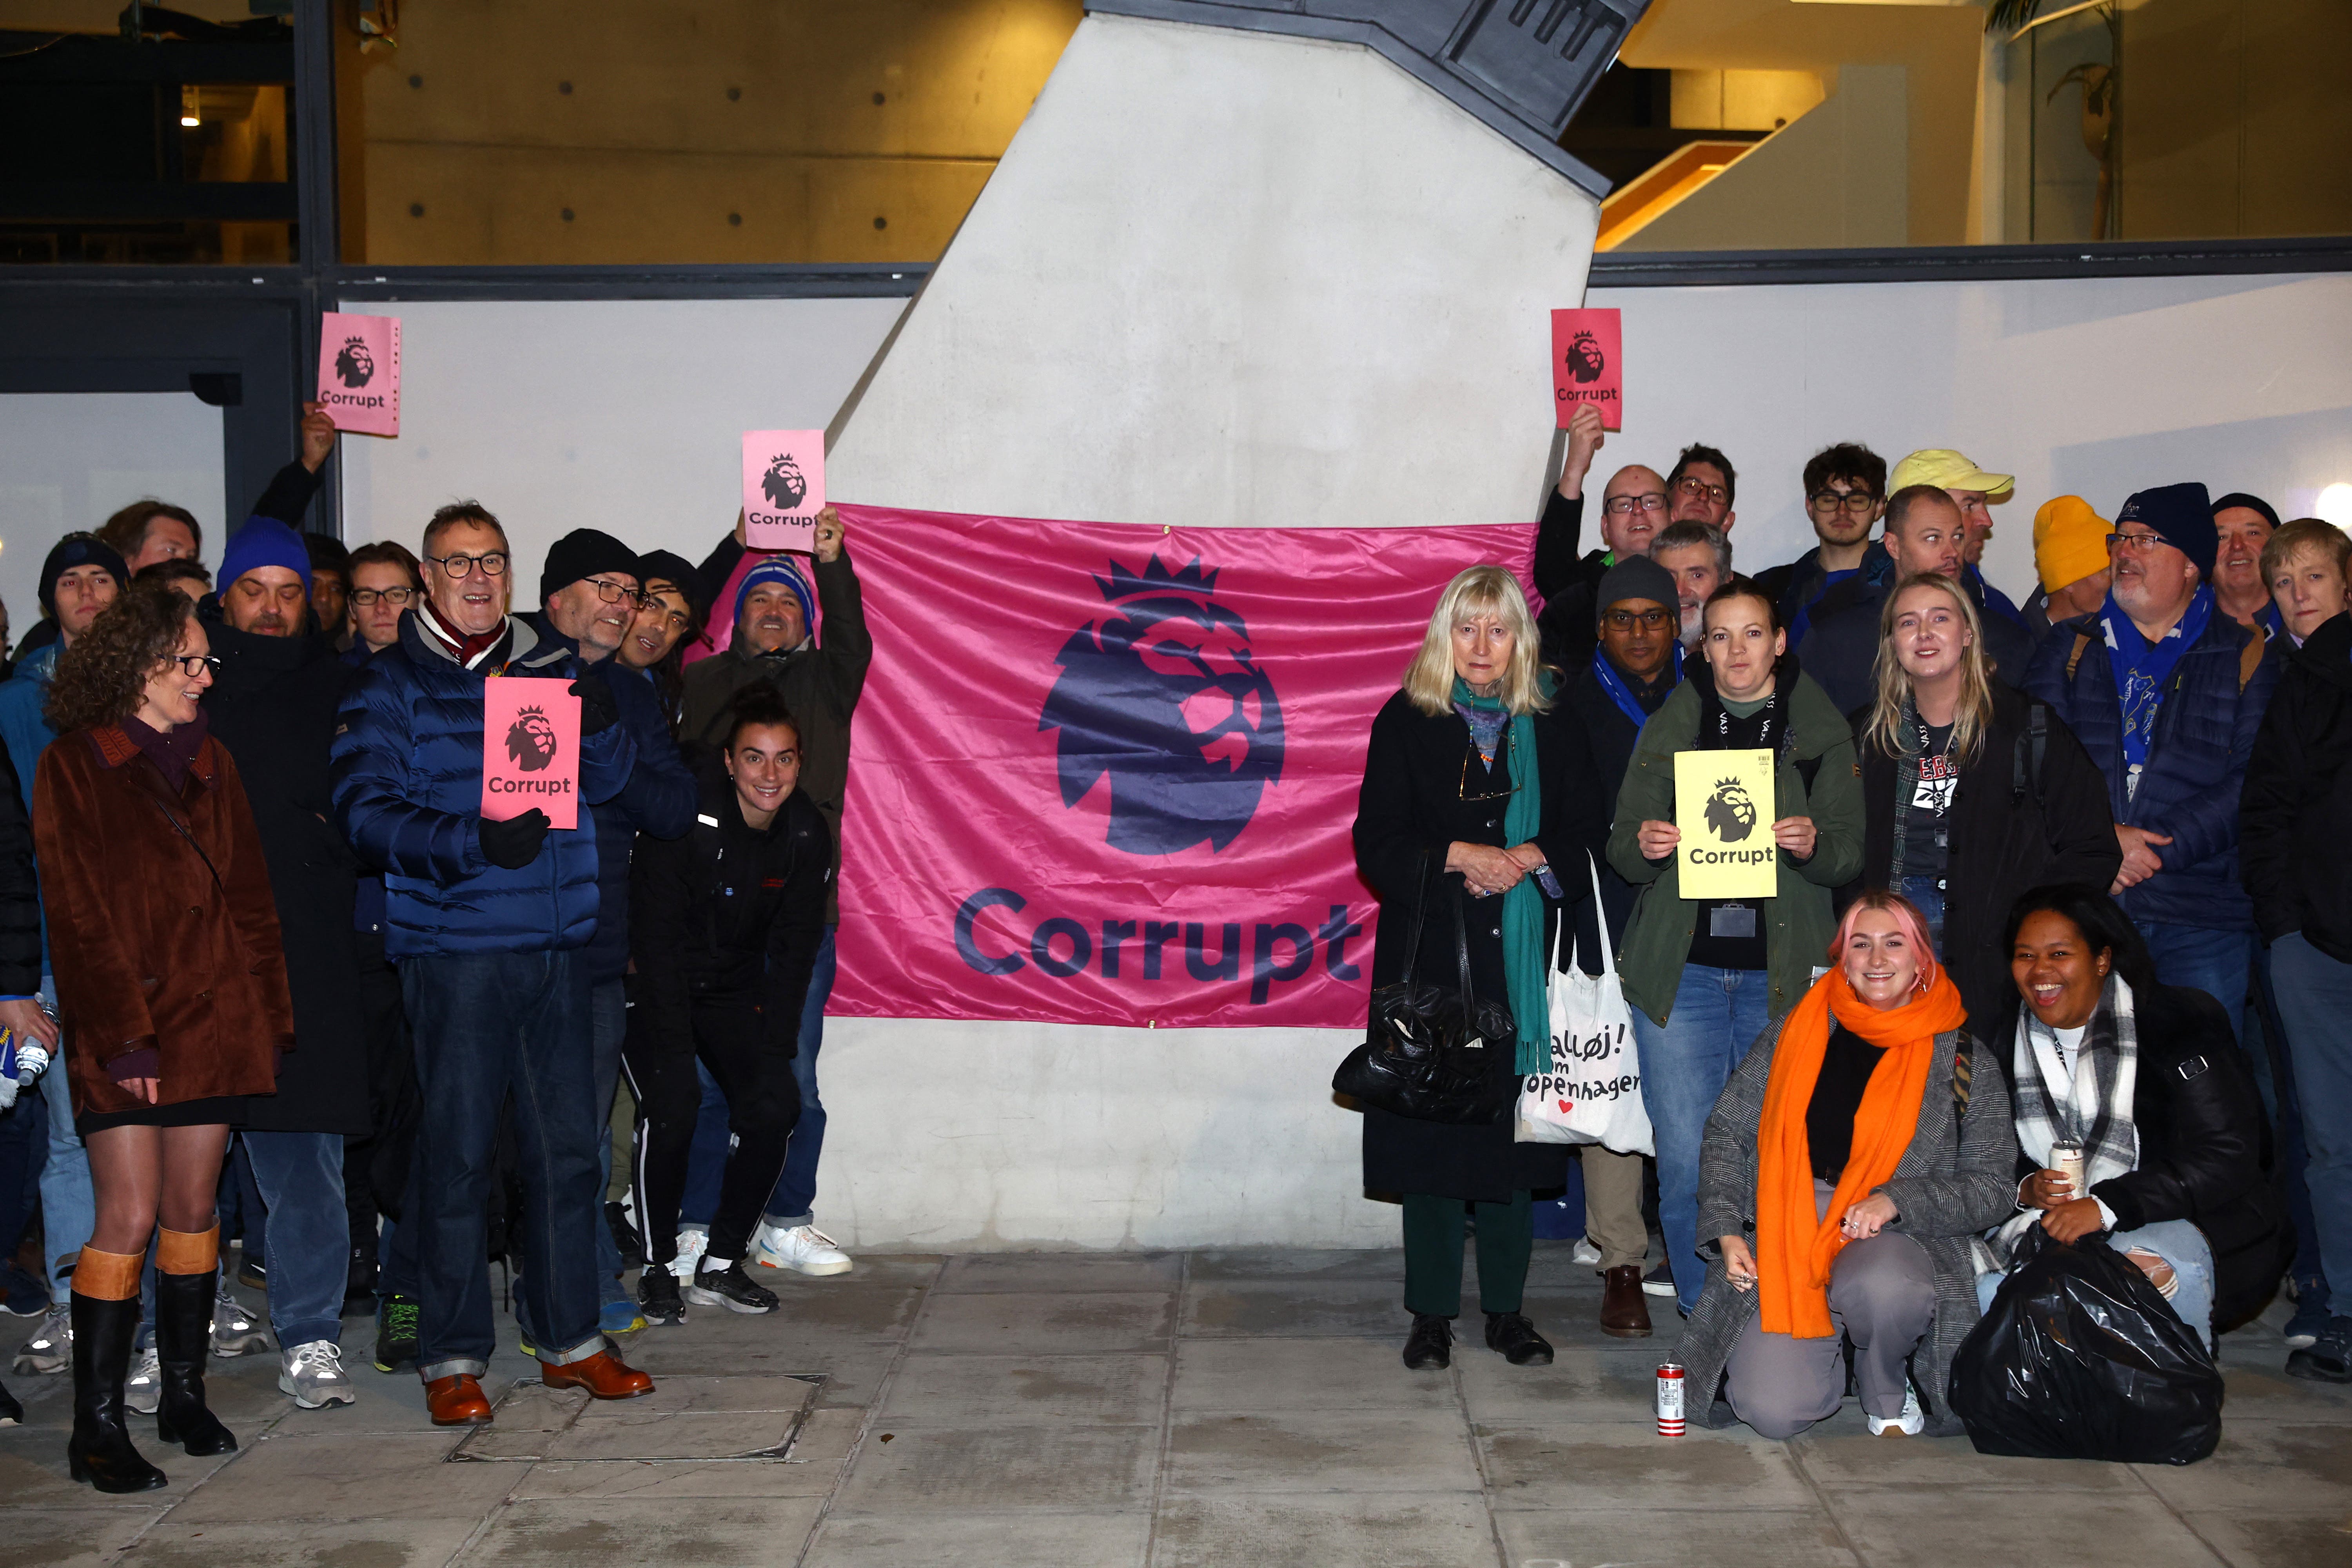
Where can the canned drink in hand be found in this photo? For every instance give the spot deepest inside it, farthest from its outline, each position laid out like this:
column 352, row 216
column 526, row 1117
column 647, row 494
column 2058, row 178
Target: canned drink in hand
column 1671, row 1421
column 2066, row 1159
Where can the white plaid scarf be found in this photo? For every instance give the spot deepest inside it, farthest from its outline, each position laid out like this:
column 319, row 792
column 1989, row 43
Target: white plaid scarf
column 2095, row 1107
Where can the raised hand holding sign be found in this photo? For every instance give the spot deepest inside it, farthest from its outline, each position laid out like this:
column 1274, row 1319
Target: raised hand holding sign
column 359, row 372
column 1587, row 366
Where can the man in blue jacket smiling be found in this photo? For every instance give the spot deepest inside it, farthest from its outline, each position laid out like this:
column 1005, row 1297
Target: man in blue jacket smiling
column 488, row 920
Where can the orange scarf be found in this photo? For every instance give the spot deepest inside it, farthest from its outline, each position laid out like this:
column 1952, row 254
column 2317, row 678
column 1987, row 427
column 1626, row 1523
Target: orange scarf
column 1794, row 1246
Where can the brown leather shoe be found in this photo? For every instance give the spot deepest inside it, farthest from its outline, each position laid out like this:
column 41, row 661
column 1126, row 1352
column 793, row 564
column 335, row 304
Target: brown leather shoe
column 1624, row 1315
column 458, row 1401
column 605, row 1376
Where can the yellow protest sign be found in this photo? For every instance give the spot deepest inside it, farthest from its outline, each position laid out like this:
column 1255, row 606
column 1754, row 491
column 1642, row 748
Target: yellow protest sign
column 1723, row 803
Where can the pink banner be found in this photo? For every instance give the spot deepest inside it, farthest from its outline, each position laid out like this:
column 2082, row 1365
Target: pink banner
column 1107, row 773
column 359, row 371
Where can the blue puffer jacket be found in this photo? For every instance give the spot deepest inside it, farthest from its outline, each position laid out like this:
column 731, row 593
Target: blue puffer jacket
column 25, row 731
column 2196, row 761
column 659, row 799
column 408, row 795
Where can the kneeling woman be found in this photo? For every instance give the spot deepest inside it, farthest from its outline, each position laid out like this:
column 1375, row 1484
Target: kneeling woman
column 2147, row 1080
column 1471, row 794
column 724, row 926
column 1839, row 1199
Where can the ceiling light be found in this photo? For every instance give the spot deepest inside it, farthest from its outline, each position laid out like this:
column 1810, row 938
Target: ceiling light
column 2334, row 504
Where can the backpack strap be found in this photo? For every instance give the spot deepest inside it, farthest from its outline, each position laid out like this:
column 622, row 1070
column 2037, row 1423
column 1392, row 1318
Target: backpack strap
column 2074, row 659
column 2025, row 766
column 1963, row 1073
column 2250, row 657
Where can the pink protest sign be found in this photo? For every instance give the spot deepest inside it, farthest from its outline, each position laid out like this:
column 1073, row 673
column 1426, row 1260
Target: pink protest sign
column 359, row 372
column 1586, row 366
column 783, row 488
column 531, row 750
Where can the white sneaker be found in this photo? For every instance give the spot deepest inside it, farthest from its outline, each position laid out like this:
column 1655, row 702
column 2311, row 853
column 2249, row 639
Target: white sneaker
column 1584, row 1251
column 314, row 1376
column 236, row 1331
column 1910, row 1424
column 51, row 1347
column 803, row 1248
column 691, row 1243
column 143, row 1390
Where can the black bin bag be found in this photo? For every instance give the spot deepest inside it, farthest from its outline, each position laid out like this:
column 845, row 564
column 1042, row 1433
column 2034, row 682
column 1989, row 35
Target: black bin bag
column 2082, row 1358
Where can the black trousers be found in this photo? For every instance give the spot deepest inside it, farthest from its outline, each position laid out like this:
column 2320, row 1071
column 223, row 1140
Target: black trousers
column 375, row 1167
column 763, row 1102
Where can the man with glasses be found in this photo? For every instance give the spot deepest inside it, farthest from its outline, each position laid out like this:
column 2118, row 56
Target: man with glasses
column 1702, row 489
column 2167, row 694
column 486, row 920
column 1976, row 493
column 1845, row 492
column 589, row 600
column 384, row 583
column 1632, row 510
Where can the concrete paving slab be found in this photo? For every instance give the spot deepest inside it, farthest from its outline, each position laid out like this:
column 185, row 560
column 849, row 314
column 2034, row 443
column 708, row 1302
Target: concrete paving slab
column 579, row 1531
column 318, row 1544
column 675, row 1480
column 2258, row 1463
column 839, row 1301
column 908, row 1468
column 705, row 1396
column 1582, row 1384
column 1840, row 1456
column 866, row 1268
column 1632, row 1467
column 850, row 1540
column 72, row 1538
column 1297, row 1264
column 1388, row 1528
column 1935, row 1528
column 1071, row 1271
column 1115, row 1390
column 2259, row 1389
column 345, row 1476
column 1328, row 1373
column 2277, row 1540
column 1315, row 1451
column 1364, row 1308
column 1751, row 1538
column 32, row 1470
column 731, row 1434
column 1046, row 1323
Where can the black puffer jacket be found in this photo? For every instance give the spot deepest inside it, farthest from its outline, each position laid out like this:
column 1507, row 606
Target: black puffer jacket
column 20, row 893
column 2292, row 850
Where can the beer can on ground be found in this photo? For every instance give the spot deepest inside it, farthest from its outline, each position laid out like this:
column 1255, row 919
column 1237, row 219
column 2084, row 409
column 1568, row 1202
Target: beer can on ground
column 1670, row 1400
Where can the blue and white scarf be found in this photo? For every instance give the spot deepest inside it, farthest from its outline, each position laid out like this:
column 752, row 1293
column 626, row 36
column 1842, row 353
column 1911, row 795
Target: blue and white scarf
column 1619, row 692
column 2141, row 668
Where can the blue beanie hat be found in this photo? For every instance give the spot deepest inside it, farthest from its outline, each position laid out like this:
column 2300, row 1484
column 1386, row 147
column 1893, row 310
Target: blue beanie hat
column 2183, row 516
column 776, row 569
column 263, row 541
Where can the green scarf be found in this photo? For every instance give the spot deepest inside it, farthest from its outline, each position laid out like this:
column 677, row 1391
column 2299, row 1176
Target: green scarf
column 1523, row 906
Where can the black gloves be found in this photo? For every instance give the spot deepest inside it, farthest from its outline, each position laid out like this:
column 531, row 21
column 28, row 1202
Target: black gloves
column 515, row 842
column 598, row 710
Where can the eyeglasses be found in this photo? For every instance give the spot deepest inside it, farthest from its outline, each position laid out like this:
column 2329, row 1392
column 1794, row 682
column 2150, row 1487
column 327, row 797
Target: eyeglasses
column 2140, row 543
column 396, row 597
column 1462, row 790
column 1697, row 488
column 615, row 592
column 192, row 665
column 1849, row 501
column 1624, row 506
column 494, row 564
column 1625, row 620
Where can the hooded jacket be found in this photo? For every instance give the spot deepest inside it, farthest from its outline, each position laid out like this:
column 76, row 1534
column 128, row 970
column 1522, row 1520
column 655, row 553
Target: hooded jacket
column 2298, row 798
column 407, row 784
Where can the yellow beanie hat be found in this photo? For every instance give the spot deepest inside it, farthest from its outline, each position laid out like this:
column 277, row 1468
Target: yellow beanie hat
column 2070, row 542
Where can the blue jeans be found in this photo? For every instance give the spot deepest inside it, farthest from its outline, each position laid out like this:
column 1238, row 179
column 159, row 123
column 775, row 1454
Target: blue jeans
column 68, row 1210
column 608, row 1012
column 2310, row 1279
column 300, row 1175
column 794, row 1200
column 2179, row 1243
column 487, row 1024
column 1685, row 1062
column 1927, row 892
column 2217, row 963
column 2314, row 999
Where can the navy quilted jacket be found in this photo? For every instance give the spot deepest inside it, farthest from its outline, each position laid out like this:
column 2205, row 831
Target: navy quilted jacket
column 408, row 794
column 2196, row 761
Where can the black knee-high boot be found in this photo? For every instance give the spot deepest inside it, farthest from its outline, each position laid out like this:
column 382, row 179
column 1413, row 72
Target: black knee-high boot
column 183, row 1333
column 99, row 1451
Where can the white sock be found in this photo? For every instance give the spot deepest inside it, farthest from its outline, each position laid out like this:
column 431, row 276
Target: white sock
column 717, row 1265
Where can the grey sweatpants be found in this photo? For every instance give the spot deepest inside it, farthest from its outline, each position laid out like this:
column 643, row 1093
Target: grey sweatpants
column 1881, row 1297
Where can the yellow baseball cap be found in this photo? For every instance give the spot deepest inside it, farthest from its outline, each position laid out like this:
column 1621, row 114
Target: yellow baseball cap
column 1949, row 470
column 2070, row 542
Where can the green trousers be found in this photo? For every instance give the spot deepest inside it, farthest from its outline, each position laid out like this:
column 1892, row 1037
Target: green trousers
column 1432, row 1254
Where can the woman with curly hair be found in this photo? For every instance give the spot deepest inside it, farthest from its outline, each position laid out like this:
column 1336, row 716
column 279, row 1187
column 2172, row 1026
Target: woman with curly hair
column 172, row 989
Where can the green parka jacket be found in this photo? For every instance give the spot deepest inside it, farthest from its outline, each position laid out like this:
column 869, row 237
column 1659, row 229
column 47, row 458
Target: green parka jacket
column 1817, row 776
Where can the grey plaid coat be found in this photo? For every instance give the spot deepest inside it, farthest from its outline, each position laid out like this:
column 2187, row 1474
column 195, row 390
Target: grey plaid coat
column 1951, row 1183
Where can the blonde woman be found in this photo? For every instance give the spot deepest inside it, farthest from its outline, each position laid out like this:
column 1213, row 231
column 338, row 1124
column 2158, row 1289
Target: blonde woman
column 1470, row 794
column 1972, row 792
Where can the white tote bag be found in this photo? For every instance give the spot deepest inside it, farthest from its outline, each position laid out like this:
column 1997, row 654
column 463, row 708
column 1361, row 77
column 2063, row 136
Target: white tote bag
column 1593, row 1092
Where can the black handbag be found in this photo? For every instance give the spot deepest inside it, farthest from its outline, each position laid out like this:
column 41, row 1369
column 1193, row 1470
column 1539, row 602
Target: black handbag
column 1433, row 1054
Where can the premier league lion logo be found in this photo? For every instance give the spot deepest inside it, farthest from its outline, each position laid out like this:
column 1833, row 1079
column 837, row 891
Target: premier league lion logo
column 1585, row 361
column 354, row 366
column 783, row 484
column 1164, row 694
column 1729, row 811
column 531, row 741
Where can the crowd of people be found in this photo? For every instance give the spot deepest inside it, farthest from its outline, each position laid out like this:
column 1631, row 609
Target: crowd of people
column 291, row 973
column 2053, row 880
column 2052, row 876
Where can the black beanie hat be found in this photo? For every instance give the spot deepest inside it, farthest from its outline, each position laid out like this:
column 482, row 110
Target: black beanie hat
column 676, row 571
column 2183, row 515
column 2251, row 503
column 1635, row 578
column 77, row 550
column 583, row 552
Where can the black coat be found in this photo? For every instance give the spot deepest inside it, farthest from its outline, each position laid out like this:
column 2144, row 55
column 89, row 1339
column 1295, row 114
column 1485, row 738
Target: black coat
column 20, row 892
column 1611, row 735
column 1569, row 624
column 2014, row 825
column 2291, row 848
column 273, row 706
column 2203, row 1146
column 1411, row 808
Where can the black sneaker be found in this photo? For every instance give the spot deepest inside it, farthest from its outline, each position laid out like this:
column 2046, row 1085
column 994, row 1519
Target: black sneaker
column 729, row 1287
column 2329, row 1357
column 396, row 1333
column 252, row 1272
column 1515, row 1338
column 1430, row 1343
column 657, row 1296
column 624, row 1236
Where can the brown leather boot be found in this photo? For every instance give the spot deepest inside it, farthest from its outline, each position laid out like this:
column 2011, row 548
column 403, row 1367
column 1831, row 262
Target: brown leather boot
column 456, row 1401
column 605, row 1376
column 1624, row 1314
